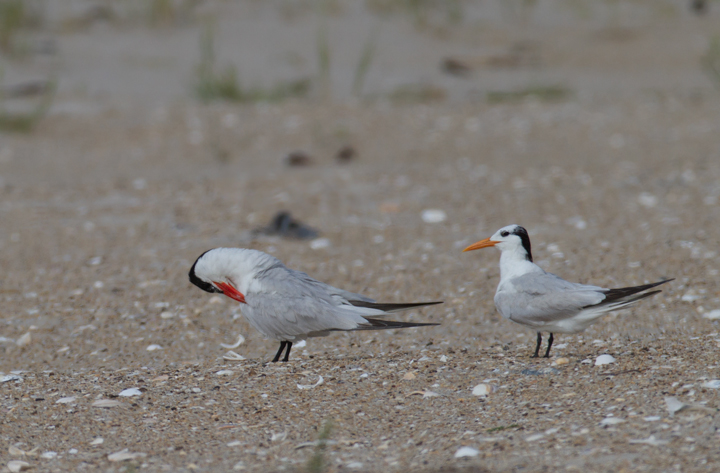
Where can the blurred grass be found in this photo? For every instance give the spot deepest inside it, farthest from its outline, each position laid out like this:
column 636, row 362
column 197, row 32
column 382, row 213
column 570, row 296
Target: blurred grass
column 25, row 122
column 363, row 65
column 550, row 93
column 711, row 62
column 15, row 16
column 318, row 463
column 212, row 84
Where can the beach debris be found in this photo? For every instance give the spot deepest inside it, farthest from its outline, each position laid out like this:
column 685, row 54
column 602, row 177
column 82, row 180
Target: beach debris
column 612, row 421
column 482, row 390
column 604, row 360
column 278, row 436
column 534, row 437
column 425, row 394
column 433, row 215
column 712, row 315
column 239, row 342
column 16, row 465
column 310, row 386
column 10, row 377
column 225, row 372
column 467, row 452
column 455, row 67
column 674, row 405
column 345, row 154
column 97, row 441
column 320, row 243
column 650, row 441
column 284, row 225
column 106, row 403
column 48, row 455
column 300, row 344
column 232, row 356
column 66, row 400
column 297, row 158
column 130, row 392
column 124, row 455
column 712, row 384
column 153, row 347
column 16, row 452
column 408, row 376
column 24, row 340
column 561, row 361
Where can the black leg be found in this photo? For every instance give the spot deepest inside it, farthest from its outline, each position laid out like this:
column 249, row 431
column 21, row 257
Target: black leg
column 279, row 352
column 550, row 340
column 537, row 347
column 287, row 353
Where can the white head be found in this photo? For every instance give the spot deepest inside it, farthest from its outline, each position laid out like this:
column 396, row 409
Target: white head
column 229, row 271
column 512, row 239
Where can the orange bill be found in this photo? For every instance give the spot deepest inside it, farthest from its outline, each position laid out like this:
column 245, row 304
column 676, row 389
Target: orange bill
column 230, row 291
column 481, row 244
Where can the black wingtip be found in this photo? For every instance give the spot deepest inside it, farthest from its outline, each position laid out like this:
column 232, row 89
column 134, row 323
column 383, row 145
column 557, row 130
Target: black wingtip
column 390, row 307
column 380, row 324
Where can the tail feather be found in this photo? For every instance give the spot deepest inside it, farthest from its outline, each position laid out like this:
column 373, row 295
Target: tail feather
column 623, row 296
column 380, row 324
column 388, row 307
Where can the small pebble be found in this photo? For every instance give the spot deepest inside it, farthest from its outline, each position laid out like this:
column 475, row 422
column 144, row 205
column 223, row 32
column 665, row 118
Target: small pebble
column 604, row 360
column 561, row 361
column 153, row 347
column 712, row 315
column 674, row 405
column 612, row 421
column 482, row 390
column 225, row 372
column 97, row 441
column 409, row 376
column 48, row 455
column 319, row 243
column 297, row 159
column 433, row 216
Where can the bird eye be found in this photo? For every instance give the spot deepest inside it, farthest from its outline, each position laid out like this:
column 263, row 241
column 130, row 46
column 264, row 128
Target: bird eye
column 504, row 234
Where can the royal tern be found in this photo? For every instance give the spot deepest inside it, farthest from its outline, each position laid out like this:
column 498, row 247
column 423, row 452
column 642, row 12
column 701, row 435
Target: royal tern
column 530, row 296
column 288, row 305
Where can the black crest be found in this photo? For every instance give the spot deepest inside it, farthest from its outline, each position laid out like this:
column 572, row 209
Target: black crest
column 523, row 234
column 205, row 286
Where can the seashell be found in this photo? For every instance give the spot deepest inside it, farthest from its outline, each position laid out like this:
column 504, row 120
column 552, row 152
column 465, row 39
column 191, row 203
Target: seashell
column 232, row 356
column 66, row 400
column 483, row 389
column 604, row 360
column 225, row 372
column 612, row 421
column 48, row 455
column 124, row 455
column 310, row 386
column 16, row 465
column 466, row 452
column 239, row 342
column 130, row 392
column 409, row 376
column 24, row 340
column 106, row 403
column 97, row 441
column 561, row 361
column 153, row 347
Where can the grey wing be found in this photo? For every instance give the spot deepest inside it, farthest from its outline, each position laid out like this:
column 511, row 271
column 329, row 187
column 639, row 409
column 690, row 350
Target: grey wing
column 341, row 295
column 291, row 303
column 538, row 298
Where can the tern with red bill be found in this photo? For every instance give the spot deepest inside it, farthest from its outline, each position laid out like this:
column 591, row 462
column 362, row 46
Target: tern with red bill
column 288, row 305
column 532, row 297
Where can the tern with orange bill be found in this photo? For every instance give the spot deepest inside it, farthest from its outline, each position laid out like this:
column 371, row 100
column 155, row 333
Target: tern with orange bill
column 288, row 305
column 530, row 296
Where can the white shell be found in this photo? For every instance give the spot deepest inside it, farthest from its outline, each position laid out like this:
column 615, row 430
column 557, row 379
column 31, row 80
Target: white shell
column 130, row 392
column 466, row 452
column 604, row 360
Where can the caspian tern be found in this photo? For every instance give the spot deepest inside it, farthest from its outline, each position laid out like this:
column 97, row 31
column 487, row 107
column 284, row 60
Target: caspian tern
column 530, row 296
column 288, row 305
